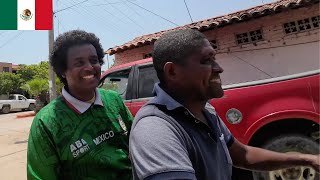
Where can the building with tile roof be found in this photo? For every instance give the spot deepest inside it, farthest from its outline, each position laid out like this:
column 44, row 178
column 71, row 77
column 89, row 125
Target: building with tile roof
column 268, row 37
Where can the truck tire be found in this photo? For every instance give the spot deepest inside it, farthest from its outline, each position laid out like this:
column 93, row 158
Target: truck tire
column 5, row 109
column 291, row 144
column 32, row 107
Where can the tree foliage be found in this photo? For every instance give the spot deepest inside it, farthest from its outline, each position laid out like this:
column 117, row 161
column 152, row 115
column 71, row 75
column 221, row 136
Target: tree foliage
column 36, row 86
column 34, row 71
column 9, row 82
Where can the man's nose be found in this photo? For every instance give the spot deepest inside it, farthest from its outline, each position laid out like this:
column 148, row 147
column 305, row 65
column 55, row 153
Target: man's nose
column 217, row 68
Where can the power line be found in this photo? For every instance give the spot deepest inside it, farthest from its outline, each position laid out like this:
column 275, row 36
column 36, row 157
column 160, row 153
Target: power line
column 119, row 2
column 70, row 6
column 96, row 17
column 152, row 12
column 251, row 65
column 133, row 9
column 188, row 10
column 125, row 15
column 13, row 38
column 2, row 32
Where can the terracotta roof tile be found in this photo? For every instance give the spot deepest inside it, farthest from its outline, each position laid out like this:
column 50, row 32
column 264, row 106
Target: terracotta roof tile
column 219, row 21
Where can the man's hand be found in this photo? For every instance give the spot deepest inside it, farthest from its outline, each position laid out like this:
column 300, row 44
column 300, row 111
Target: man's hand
column 313, row 161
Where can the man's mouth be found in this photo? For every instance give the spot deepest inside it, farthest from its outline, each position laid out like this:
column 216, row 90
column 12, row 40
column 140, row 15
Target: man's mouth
column 88, row 76
column 216, row 80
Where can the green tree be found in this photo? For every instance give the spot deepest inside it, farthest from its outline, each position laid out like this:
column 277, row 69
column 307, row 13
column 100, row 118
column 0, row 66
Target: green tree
column 9, row 82
column 36, row 86
column 29, row 72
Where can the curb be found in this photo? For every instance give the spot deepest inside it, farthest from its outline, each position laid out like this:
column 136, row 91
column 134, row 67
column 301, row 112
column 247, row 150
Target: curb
column 29, row 114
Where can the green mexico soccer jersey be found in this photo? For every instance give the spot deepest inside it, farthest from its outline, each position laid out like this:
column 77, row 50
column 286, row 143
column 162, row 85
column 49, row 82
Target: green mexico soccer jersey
column 68, row 140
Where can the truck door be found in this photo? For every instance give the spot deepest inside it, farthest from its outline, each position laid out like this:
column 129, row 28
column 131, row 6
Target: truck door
column 22, row 102
column 145, row 77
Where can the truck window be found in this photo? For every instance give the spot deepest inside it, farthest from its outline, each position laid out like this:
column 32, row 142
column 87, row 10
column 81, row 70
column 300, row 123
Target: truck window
column 147, row 79
column 12, row 97
column 21, row 98
column 117, row 81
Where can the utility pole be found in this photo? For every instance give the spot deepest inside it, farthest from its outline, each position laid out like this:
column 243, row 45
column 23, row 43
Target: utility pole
column 52, row 81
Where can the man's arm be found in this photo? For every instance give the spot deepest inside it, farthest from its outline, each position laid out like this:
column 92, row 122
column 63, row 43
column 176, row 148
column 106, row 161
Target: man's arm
column 253, row 158
column 42, row 160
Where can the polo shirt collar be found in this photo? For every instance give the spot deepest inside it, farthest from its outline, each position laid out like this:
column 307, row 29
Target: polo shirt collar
column 77, row 105
column 163, row 98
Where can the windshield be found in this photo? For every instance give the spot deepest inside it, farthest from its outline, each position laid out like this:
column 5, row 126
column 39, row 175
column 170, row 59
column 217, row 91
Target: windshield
column 118, row 82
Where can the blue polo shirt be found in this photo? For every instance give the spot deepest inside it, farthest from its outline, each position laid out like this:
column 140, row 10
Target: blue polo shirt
column 168, row 142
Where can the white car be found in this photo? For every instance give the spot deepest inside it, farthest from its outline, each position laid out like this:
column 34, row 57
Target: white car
column 16, row 102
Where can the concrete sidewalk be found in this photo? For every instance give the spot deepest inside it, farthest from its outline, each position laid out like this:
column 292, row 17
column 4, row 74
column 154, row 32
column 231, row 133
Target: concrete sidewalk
column 13, row 142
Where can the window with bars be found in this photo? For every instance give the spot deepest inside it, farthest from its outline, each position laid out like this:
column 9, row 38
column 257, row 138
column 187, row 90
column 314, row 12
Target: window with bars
column 256, row 35
column 290, row 27
column 214, row 44
column 6, row 69
column 249, row 37
column 242, row 38
column 315, row 21
column 304, row 24
column 145, row 56
column 301, row 25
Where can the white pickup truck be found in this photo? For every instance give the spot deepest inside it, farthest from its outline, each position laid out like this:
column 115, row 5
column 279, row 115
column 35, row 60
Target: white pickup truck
column 16, row 102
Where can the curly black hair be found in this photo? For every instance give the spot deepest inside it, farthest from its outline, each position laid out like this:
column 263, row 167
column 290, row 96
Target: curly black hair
column 175, row 46
column 58, row 56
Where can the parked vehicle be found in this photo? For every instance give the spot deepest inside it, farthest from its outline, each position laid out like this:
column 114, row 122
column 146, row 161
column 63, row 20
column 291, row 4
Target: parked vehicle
column 281, row 114
column 16, row 102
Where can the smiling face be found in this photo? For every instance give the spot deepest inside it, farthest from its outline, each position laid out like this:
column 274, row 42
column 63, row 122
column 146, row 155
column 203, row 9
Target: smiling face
column 199, row 77
column 83, row 69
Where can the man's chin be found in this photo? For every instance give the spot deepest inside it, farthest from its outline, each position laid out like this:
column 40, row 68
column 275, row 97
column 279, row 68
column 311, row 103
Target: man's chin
column 217, row 94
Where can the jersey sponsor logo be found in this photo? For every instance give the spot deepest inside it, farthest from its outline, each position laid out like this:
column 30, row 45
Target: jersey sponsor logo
column 79, row 147
column 103, row 137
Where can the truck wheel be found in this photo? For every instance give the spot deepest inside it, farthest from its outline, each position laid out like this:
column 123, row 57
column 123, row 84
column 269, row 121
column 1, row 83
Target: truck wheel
column 291, row 144
column 5, row 109
column 32, row 107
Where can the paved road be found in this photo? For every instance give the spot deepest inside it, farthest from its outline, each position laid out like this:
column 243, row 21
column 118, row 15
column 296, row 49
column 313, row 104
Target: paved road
column 13, row 146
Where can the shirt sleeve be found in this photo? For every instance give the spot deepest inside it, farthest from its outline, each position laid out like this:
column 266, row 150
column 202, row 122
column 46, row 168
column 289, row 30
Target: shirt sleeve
column 158, row 151
column 42, row 159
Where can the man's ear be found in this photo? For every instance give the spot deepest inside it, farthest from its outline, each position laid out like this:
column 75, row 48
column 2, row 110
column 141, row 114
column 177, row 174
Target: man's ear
column 170, row 71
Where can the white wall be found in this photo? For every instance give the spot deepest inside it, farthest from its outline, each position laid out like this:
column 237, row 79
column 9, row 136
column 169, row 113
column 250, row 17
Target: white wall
column 277, row 61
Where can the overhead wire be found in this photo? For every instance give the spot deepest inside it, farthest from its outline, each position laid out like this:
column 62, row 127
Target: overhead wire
column 119, row 2
column 241, row 59
column 11, row 39
column 153, row 13
column 129, row 7
column 185, row 3
column 71, row 6
column 107, row 11
column 120, row 11
column 96, row 17
column 89, row 14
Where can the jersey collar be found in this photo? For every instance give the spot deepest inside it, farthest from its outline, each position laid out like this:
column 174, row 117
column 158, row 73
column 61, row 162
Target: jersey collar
column 77, row 105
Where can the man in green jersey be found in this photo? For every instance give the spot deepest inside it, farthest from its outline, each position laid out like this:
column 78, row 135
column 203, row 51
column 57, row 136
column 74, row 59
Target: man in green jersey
column 83, row 134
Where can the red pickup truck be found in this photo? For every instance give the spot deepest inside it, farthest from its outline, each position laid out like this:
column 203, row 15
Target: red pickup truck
column 281, row 114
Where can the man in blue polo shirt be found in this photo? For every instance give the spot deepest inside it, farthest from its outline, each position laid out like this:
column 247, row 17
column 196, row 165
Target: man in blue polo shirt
column 178, row 135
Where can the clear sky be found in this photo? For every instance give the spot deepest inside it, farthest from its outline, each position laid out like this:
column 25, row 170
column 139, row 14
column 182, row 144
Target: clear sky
column 114, row 21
